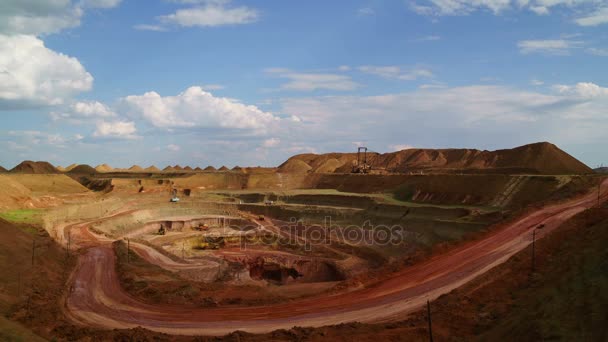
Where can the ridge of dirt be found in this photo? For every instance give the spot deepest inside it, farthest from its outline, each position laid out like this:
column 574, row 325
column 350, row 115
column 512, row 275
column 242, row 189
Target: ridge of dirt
column 537, row 158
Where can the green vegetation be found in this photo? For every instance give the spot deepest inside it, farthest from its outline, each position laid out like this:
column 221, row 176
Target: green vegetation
column 30, row 216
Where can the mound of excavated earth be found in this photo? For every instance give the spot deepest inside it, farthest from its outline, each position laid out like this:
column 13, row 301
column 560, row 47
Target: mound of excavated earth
column 295, row 166
column 538, row 158
column 210, row 168
column 3, row 169
column 136, row 168
column 31, row 167
column 104, row 168
column 152, row 168
column 83, row 169
column 223, row 168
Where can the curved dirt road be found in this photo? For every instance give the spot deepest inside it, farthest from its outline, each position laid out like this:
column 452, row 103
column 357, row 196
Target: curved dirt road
column 98, row 300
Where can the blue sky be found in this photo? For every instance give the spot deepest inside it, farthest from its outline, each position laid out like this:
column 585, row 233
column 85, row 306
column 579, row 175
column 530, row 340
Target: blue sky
column 200, row 82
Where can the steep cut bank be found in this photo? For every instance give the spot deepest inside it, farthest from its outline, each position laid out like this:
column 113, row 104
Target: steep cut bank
column 32, row 167
column 538, row 158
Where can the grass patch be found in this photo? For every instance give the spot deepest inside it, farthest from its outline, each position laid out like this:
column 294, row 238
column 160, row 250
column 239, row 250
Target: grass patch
column 27, row 216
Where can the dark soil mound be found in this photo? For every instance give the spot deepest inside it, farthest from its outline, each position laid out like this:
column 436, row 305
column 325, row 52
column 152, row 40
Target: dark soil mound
column 83, row 169
column 210, row 168
column 31, row 167
column 3, row 169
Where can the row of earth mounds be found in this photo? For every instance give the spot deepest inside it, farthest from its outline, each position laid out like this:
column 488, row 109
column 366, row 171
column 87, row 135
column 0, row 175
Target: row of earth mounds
column 538, row 158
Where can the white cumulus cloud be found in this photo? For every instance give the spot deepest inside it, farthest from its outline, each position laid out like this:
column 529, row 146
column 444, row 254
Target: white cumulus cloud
column 115, row 130
column 33, row 75
column 196, row 108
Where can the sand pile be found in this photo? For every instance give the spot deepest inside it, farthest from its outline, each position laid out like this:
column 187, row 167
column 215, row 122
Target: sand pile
column 210, row 168
column 31, row 167
column 329, row 166
column 152, row 168
column 104, row 168
column 136, row 168
column 539, row 158
column 83, row 169
column 169, row 169
column 295, row 166
column 197, row 169
column 188, row 168
column 223, row 168
column 70, row 167
column 178, row 168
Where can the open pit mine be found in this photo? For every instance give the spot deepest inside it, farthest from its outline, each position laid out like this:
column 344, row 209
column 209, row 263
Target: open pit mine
column 339, row 246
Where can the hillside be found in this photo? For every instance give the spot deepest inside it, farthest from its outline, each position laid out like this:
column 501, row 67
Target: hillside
column 3, row 169
column 538, row 158
column 31, row 167
column 601, row 169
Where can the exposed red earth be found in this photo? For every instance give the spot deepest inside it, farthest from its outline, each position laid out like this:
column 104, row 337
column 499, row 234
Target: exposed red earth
column 97, row 299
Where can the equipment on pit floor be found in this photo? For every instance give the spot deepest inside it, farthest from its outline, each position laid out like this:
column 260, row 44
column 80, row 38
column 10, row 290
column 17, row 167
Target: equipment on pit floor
column 362, row 166
column 162, row 231
column 261, row 218
column 174, row 198
column 269, row 202
column 202, row 227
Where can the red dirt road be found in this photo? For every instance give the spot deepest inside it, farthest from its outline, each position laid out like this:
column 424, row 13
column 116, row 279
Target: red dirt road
column 96, row 298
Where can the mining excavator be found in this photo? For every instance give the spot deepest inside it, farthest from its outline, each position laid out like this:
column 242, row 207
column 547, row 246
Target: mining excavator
column 362, row 165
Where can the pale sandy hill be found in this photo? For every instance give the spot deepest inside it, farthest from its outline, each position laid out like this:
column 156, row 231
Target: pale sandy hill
column 12, row 192
column 295, row 166
column 329, row 166
column 152, row 168
column 104, row 168
column 178, row 168
column 169, row 169
column 70, row 167
column 223, row 168
column 59, row 168
column 136, row 168
column 188, row 168
column 538, row 158
column 197, row 169
column 48, row 184
column 210, row 168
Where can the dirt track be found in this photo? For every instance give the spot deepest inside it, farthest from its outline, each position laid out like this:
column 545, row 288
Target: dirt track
column 96, row 298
